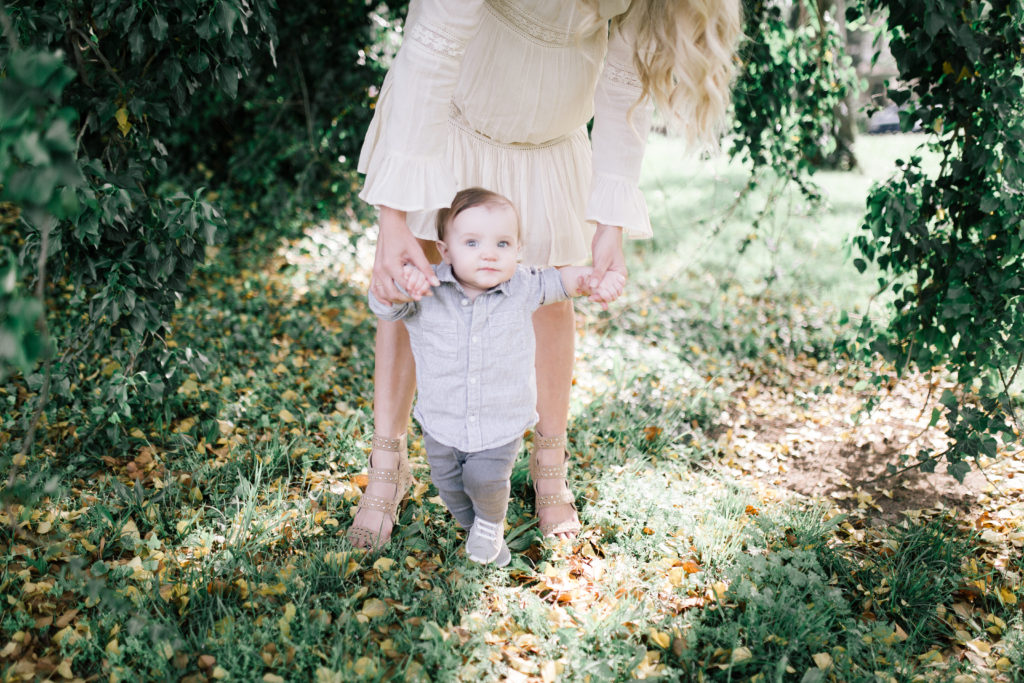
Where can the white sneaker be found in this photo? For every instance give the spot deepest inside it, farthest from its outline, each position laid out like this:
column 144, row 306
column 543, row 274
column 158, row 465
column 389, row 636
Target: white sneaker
column 486, row 541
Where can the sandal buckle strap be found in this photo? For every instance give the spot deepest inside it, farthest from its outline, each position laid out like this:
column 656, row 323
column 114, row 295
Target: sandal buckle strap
column 568, row 526
column 555, row 499
column 549, row 471
column 385, row 444
column 385, row 505
column 393, row 476
column 548, row 441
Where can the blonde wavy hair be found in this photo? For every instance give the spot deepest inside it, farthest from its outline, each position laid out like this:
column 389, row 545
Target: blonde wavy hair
column 686, row 59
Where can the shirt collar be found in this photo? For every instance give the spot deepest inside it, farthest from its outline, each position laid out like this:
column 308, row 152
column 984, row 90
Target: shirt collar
column 445, row 273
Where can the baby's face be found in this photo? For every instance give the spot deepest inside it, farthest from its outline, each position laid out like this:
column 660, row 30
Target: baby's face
column 482, row 247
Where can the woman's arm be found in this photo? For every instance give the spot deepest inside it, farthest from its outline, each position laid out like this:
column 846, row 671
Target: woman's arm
column 621, row 123
column 404, row 152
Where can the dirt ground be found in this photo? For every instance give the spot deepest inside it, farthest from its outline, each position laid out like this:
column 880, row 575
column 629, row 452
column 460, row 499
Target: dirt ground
column 801, row 431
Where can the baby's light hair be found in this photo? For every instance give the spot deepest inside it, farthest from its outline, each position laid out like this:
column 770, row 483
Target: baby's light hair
column 467, row 199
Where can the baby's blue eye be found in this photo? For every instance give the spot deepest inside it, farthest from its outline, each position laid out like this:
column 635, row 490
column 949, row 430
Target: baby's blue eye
column 470, row 243
column 503, row 243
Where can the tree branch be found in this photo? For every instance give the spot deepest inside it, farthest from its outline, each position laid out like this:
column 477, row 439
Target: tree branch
column 12, row 35
column 110, row 68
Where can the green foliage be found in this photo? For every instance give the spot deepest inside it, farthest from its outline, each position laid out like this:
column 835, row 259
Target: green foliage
column 37, row 172
column 160, row 128
column 794, row 75
column 84, row 157
column 290, row 140
column 803, row 609
column 921, row 569
column 949, row 244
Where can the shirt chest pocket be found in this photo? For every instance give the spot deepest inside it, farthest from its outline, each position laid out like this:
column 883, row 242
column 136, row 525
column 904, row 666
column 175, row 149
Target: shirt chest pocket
column 506, row 320
column 439, row 343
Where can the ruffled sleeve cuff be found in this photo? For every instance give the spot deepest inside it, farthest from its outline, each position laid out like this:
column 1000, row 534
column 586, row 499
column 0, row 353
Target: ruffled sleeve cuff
column 408, row 183
column 618, row 201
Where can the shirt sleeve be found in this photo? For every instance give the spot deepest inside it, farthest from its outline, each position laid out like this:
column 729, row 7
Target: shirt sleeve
column 404, row 153
column 545, row 286
column 619, row 138
column 392, row 312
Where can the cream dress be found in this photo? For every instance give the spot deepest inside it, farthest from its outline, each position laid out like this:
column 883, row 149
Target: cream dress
column 498, row 93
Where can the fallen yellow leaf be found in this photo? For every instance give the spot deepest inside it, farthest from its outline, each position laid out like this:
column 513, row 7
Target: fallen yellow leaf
column 384, row 564
column 325, row 675
column 822, row 660
column 675, row 576
column 64, row 669
column 374, row 608
column 414, row 671
column 740, row 654
column 659, row 638
column 979, row 646
column 365, row 667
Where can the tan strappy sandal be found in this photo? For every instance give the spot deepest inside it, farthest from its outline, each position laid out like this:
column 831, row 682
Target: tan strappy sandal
column 560, row 471
column 402, row 479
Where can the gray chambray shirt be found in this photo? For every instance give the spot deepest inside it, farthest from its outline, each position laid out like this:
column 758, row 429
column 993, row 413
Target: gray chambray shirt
column 475, row 376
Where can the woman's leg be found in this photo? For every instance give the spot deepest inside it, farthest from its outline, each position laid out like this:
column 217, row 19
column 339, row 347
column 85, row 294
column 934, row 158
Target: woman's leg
column 394, row 385
column 555, row 328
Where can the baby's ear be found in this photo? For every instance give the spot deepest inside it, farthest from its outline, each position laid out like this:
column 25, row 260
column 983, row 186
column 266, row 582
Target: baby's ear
column 442, row 249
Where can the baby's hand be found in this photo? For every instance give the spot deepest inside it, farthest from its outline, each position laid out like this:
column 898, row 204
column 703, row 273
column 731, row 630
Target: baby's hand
column 583, row 281
column 609, row 289
column 414, row 281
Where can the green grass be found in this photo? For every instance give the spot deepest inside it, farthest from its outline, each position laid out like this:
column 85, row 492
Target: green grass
column 214, row 548
column 797, row 251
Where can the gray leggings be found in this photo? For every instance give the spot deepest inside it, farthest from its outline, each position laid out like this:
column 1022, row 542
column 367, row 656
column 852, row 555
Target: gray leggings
column 472, row 484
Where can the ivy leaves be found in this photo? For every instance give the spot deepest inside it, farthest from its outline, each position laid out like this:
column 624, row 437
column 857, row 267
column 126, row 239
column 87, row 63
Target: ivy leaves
column 949, row 242
column 794, row 75
column 88, row 111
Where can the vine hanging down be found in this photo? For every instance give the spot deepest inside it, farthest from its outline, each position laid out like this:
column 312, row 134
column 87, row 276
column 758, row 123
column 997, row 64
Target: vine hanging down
column 950, row 243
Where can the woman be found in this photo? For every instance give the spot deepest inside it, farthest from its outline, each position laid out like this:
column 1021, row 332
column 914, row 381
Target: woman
column 497, row 94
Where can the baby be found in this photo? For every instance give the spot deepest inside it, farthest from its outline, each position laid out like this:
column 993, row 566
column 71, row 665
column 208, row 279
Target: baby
column 474, row 348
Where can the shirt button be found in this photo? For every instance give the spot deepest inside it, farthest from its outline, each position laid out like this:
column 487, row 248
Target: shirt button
column 472, row 380
column 465, row 302
column 472, row 418
column 475, row 339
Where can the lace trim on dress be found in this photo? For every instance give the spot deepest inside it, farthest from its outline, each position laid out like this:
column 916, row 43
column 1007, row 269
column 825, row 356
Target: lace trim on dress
column 435, row 40
column 623, row 76
column 529, row 26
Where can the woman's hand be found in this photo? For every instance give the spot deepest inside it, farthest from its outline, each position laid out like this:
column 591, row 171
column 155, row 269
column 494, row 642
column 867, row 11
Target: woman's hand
column 397, row 248
column 609, row 276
